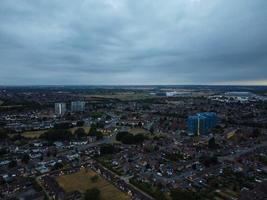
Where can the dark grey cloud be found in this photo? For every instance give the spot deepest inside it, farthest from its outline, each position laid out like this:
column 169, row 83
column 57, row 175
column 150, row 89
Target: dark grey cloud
column 133, row 42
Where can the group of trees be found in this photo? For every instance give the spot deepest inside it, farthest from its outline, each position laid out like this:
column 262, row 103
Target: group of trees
column 3, row 134
column 63, row 125
column 108, row 149
column 3, row 152
column 175, row 156
column 230, row 179
column 94, row 178
column 96, row 115
column 66, row 125
column 184, row 194
column 153, row 190
column 57, row 134
column 128, row 138
column 79, row 133
column 25, row 158
column 94, row 132
column 256, row 133
column 65, row 134
column 212, row 143
column 208, row 161
column 263, row 159
column 58, row 166
column 80, row 123
column 12, row 164
column 92, row 194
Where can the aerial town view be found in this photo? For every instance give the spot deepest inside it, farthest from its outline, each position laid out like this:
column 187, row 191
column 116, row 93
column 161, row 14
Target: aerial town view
column 133, row 142
column 133, row 100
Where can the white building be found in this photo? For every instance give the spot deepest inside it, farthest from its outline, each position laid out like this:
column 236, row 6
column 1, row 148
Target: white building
column 60, row 108
column 171, row 94
column 77, row 106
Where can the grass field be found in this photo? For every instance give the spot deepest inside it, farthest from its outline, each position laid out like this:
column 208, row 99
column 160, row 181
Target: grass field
column 36, row 134
column 12, row 106
column 1, row 102
column 81, row 181
column 33, row 134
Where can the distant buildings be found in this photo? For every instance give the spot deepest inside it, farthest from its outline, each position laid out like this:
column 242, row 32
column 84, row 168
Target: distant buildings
column 171, row 94
column 77, row 106
column 60, row 108
column 201, row 123
column 241, row 97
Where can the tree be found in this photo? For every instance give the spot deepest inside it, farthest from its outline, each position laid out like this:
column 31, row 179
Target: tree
column 92, row 194
column 58, row 166
column 208, row 160
column 212, row 143
column 93, row 130
column 108, row 117
column 55, row 153
column 13, row 164
column 182, row 195
column 99, row 135
column 128, row 138
column 96, row 115
column 3, row 152
column 80, row 123
column 63, row 125
column 25, row 159
column 3, row 134
column 57, row 134
column 139, row 138
column 120, row 135
column 79, row 133
column 94, row 178
column 107, row 149
column 256, row 133
column 175, row 156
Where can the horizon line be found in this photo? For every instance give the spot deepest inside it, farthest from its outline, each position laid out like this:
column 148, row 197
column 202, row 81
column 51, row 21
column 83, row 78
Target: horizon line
column 129, row 85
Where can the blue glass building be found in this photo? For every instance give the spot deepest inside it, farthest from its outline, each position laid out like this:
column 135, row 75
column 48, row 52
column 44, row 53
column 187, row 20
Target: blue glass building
column 201, row 123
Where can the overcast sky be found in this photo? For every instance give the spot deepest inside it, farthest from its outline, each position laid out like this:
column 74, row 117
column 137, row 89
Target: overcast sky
column 133, row 42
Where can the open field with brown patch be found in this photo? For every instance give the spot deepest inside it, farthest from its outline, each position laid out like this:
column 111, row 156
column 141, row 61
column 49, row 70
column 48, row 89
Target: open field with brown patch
column 81, row 181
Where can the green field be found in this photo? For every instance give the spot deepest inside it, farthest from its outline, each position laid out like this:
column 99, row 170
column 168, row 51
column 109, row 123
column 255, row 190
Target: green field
column 81, row 181
column 32, row 134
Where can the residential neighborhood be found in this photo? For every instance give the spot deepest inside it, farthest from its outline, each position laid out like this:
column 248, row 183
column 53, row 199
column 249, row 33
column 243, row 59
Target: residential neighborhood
column 156, row 147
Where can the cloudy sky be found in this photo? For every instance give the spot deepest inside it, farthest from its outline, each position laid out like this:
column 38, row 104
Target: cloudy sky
column 133, row 42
